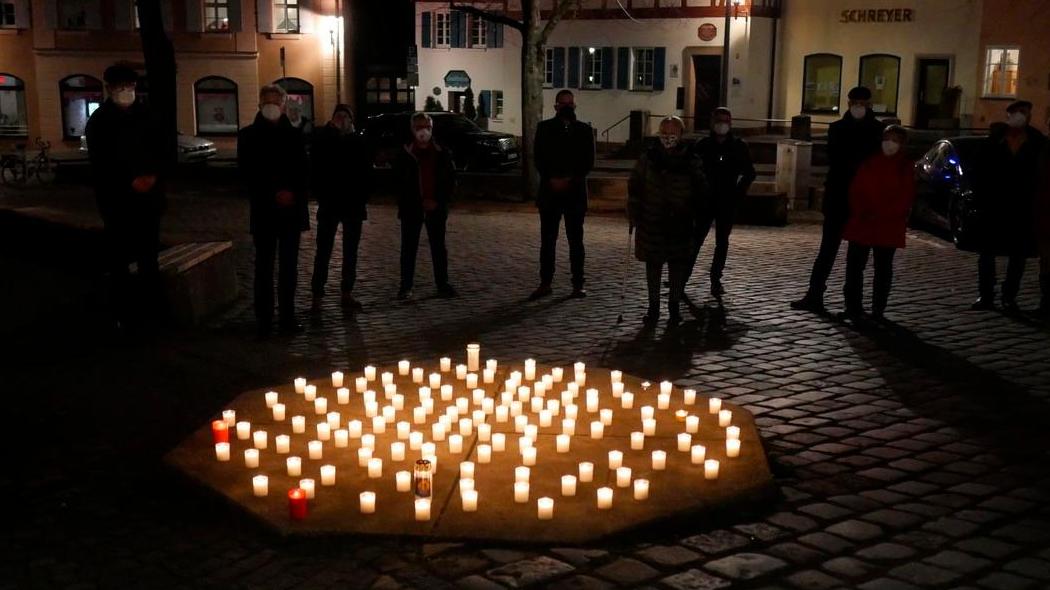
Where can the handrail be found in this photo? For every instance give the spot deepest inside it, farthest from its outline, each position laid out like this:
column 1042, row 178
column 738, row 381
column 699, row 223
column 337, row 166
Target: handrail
column 613, row 126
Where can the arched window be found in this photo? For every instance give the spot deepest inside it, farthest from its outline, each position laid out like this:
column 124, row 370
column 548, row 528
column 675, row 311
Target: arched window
column 881, row 73
column 216, row 103
column 80, row 95
column 13, row 119
column 300, row 95
column 822, row 83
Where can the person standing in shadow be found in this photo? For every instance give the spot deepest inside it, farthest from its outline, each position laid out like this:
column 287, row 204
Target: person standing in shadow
column 1042, row 218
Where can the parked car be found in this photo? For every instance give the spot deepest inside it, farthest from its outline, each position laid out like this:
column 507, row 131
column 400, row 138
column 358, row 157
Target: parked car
column 191, row 148
column 945, row 199
column 473, row 148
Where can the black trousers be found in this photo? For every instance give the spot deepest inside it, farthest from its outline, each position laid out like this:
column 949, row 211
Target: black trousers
column 281, row 247
column 830, row 240
column 410, row 230
column 133, row 237
column 676, row 275
column 328, row 222
column 856, row 260
column 722, row 218
column 986, row 276
column 551, row 215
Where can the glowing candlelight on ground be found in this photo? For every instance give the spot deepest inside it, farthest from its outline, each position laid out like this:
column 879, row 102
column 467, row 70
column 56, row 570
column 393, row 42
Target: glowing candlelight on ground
column 470, row 500
column 342, row 396
column 499, row 442
column 403, row 367
column 446, row 392
column 680, row 415
column 648, row 412
column 403, row 429
column 360, row 384
column 435, row 380
column 605, row 498
column 615, row 459
column 649, row 427
column 403, row 481
column 259, row 439
column 368, row 441
column 244, row 430
column 375, row 468
column 422, row 509
column 623, row 477
column 597, row 429
column 337, row 378
column 606, row 416
column 260, row 485
column 333, row 418
column 617, row 389
column 251, row 458
column 521, row 473
column 689, row 396
column 271, row 398
column 659, row 460
column 455, row 443
column 473, row 356
column 572, row 411
column 363, row 455
column 484, row 453
column 521, row 492
column 733, row 432
column 725, row 418
column 353, row 427
column 641, row 489
column 528, row 456
column 307, row 486
column 586, row 471
column 568, row 426
column 627, row 400
column 230, row 416
column 415, row 440
column 445, row 364
column 324, row 431
column 378, row 425
column 545, row 508
column 562, row 442
column 733, row 447
column 300, row 384
column 472, row 380
column 397, row 451
column 714, row 404
column 692, row 424
column 310, row 393
column 466, row 426
column 711, row 469
column 697, row 454
column 488, row 376
column 568, row 485
column 665, row 388
column 368, row 502
column 370, row 373
column 294, row 466
column 222, row 451
column 282, row 443
column 437, row 431
column 328, row 475
column 685, row 441
column 466, row 469
column 637, row 441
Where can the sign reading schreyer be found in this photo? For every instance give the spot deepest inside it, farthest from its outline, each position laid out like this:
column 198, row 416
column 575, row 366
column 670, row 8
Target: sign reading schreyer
column 878, row 15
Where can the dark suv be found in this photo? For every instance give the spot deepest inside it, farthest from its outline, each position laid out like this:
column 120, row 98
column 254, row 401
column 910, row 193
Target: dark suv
column 472, row 147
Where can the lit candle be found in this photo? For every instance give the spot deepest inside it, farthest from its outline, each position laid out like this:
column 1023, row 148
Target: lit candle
column 665, row 388
column 568, row 485
column 521, row 492
column 298, row 424
column 692, row 424
column 397, row 451
column 627, row 400
column 398, row 401
column 370, row 373
column 491, row 364
column 597, row 429
column 572, row 411
column 466, row 484
column 220, row 431
column 300, row 384
column 328, row 475
column 437, row 431
column 466, row 426
column 711, row 469
column 484, row 453
column 488, row 376
column 528, row 456
column 545, row 508
column 271, row 398
column 230, row 416
column 685, row 441
column 605, row 498
column 473, row 356
column 342, row 438
column 415, row 440
column 470, row 500
column 558, row 374
column 446, row 364
column 520, row 422
column 389, row 414
column 725, row 418
column 353, row 427
column 617, row 389
column 680, row 415
column 586, row 471
column 371, row 408
column 342, row 396
column 714, row 404
column 307, row 486
column 260, row 485
column 259, row 439
column 333, row 418
column 484, row 432
column 324, row 431
column 417, row 375
column 251, row 458
column 422, row 509
column 562, row 441
column 294, row 466
column 378, row 425
column 532, row 431
column 337, row 378
column 403, row 481
column 244, row 430
column 461, row 372
column 368, row 441
column 499, row 442
column 649, row 427
column 403, row 428
column 606, row 416
column 222, row 451
column 615, row 376
column 698, row 453
column 435, row 380
column 545, row 417
column 637, row 441
column 502, row 414
column 310, row 393
column 530, row 369
column 368, row 502
column 428, row 448
column 592, row 403
column 455, row 443
column 363, row 455
column 648, row 412
column 472, row 380
column 375, row 468
column 282, row 443
column 689, row 396
column 641, row 489
column 733, row 447
column 446, row 392
column 733, row 432
column 623, row 477
column 466, row 469
column 568, row 427
column 659, row 460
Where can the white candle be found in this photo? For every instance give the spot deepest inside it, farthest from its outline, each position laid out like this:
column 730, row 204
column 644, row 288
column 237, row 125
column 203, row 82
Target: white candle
column 663, row 401
column 597, row 429
column 689, row 396
column 434, row 380
column 627, row 400
column 521, row 473
column 342, row 438
column 606, row 416
column 733, row 447
column 461, row 372
column 659, row 460
column 324, row 431
column 698, row 453
column 520, row 422
column 484, row 432
column 300, row 384
column 499, row 442
column 259, row 439
column 310, row 393
column 437, row 431
column 428, row 448
column 665, row 388
column 271, row 398
column 342, row 396
column 244, row 430
column 558, row 374
column 403, row 481
column 419, row 415
column 568, row 427
column 363, row 455
column 337, row 378
column 314, row 449
column 251, row 458
column 307, row 485
column 398, row 401
column 692, row 424
column 568, row 485
column 222, row 451
column 370, row 373
column 605, row 498
column 445, row 364
column 375, row 468
column 592, row 403
column 502, row 413
column 714, row 405
column 711, row 469
column 615, row 376
column 617, row 389
column 389, row 414
column 455, row 443
column 685, row 441
column 466, row 426
column 572, row 411
column 260, row 485
column 521, row 492
column 371, row 408
column 473, row 356
column 545, row 508
column 378, row 425
column 360, row 384
column 525, row 442
column 528, row 456
column 417, row 375
column 368, row 502
column 637, row 441
column 562, row 442
column 354, row 428
column 294, row 466
column 328, row 475
column 484, row 453
column 403, row 428
column 586, row 471
column 545, row 418
column 334, row 419
column 623, row 477
column 470, row 500
column 368, row 441
column 446, row 392
column 472, row 380
column 422, row 509
column 649, row 427
column 230, row 416
column 488, row 376
column 648, row 412
column 641, row 489
column 725, row 418
column 397, row 451
column 733, row 432
column 282, row 443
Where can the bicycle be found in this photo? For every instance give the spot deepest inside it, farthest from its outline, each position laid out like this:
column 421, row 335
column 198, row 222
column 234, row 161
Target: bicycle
column 17, row 168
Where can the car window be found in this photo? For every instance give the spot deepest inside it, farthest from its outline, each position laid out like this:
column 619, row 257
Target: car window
column 457, row 124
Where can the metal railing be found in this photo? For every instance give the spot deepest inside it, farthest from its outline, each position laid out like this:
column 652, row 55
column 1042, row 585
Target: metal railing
column 614, row 126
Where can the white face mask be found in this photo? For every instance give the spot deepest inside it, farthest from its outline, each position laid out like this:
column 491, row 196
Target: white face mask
column 124, row 97
column 424, row 134
column 270, row 112
column 669, row 141
column 721, row 129
column 1017, row 120
column 858, row 111
column 890, row 147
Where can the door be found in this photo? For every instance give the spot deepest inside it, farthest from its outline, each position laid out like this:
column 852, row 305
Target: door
column 455, row 101
column 707, row 92
column 933, row 80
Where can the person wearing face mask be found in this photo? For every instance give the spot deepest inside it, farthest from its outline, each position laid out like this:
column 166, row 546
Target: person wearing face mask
column 294, row 111
column 126, row 166
column 1005, row 181
column 851, row 140
column 880, row 200
column 272, row 160
column 730, row 172
column 426, row 178
column 564, row 156
column 341, row 178
column 665, row 195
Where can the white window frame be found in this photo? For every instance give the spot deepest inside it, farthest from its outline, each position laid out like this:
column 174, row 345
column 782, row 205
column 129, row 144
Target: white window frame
column 479, row 32
column 497, row 104
column 548, row 67
column 1004, row 63
column 591, row 57
column 8, row 7
column 637, row 64
column 281, row 9
column 212, row 10
column 442, row 29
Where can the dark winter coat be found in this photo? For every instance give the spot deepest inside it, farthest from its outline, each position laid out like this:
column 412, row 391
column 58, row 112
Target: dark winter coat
column 728, row 168
column 272, row 158
column 1006, row 186
column 850, row 142
column 122, row 145
column 341, row 172
column 666, row 194
column 409, row 187
column 880, row 200
column 1042, row 202
column 564, row 151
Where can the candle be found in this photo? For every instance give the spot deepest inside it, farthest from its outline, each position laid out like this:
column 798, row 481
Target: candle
column 649, row 427
column 733, row 432
column 470, row 500
column 423, row 477
column 711, row 469
column 532, row 431
column 592, row 402
column 525, row 442
column 488, row 376
column 597, row 429
column 605, row 498
column 403, row 428
column 419, row 415
column 222, row 451
column 641, row 489
column 579, row 367
column 282, row 443
column 665, row 388
column 244, row 430
column 307, row 486
column 417, row 375
column 375, row 468
column 545, row 418
column 714, row 405
column 378, row 425
column 230, row 416
column 333, row 419
column 617, row 389
column 434, row 380
column 568, row 485
column 370, row 373
column 521, row 492
column 680, row 415
column 342, row 438
column 648, row 412
column 363, row 455
column 437, row 431
column 698, row 453
column 472, row 380
column 466, row 426
column 220, row 431
column 685, row 441
column 484, row 453
column 502, row 414
column 271, row 398
column 428, row 448
column 251, row 458
column 260, row 485
column 528, row 456
column 455, row 443
column 606, row 416
column 300, row 384
column 572, row 411
column 461, row 372
column 294, row 466
column 545, row 508
column 521, row 473
column 298, row 424
column 733, row 447
column 562, row 441
column 310, row 393
column 499, row 442
column 337, row 378
column 637, row 441
column 623, row 477
column 558, row 374
column 360, row 384
column 353, row 427
column 368, row 502
column 324, row 431
column 371, row 408
column 446, row 392
column 422, row 509
column 397, row 451
column 259, row 439
column 328, row 475
column 415, row 440
column 586, row 471
column 403, row 481
column 692, row 424
column 368, row 441
column 659, row 460
column 627, row 400
column 568, row 427
column 446, row 364
column 615, row 376
column 473, row 356
column 725, row 417
column 520, row 422
column 689, row 396
column 389, row 414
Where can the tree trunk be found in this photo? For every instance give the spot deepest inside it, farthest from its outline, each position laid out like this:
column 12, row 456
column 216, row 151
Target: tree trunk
column 532, row 63
column 159, row 54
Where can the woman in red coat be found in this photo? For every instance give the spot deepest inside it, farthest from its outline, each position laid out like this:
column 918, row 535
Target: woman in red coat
column 880, row 200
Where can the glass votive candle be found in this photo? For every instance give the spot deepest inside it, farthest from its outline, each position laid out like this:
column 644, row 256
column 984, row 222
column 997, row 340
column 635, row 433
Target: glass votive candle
column 521, row 492
column 314, row 449
column 568, row 485
column 685, row 441
column 562, row 443
column 649, row 427
column 637, row 441
column 733, row 432
column 714, row 405
column 606, row 416
column 259, row 439
column 324, row 431
column 294, row 465
column 403, row 481
column 545, row 508
column 397, row 451
column 615, row 459
column 251, row 458
column 415, row 440
column 363, row 455
column 271, row 398
column 698, row 454
column 597, row 429
column 328, row 475
column 470, row 500
column 466, row 470
column 244, row 430
column 586, row 471
column 222, row 451
column 521, row 473
column 648, row 412
column 528, row 456
column 627, row 400
column 692, row 424
column 455, row 443
column 659, row 460
column 310, row 393
column 733, row 448
column 300, row 384
column 725, row 418
column 711, row 469
column 499, row 442
column 641, row 489
column 282, row 443
column 689, row 396
column 368, row 502
column 484, row 453
column 308, row 485
column 623, row 477
column 605, row 498
column 260, row 486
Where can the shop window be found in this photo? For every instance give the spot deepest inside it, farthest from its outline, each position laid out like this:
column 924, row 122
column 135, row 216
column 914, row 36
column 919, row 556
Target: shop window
column 216, row 16
column 300, row 94
column 592, row 68
column 13, row 119
column 389, row 90
column 7, row 15
column 442, row 27
column 1001, row 66
column 215, row 99
column 478, row 32
column 881, row 74
column 286, row 15
column 822, row 83
column 643, row 59
column 80, row 96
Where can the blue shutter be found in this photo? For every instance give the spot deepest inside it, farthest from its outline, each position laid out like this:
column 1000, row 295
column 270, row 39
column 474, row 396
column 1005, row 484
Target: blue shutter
column 607, row 67
column 494, row 35
column 425, row 29
column 499, row 34
column 559, row 67
column 459, row 28
column 623, row 68
column 659, row 65
column 574, row 67
column 485, row 104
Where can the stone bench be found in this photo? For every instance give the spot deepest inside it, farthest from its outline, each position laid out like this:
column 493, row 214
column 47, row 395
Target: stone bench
column 199, row 279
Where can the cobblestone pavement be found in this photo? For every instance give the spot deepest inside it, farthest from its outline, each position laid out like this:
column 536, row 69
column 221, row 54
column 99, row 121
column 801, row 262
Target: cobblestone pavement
column 908, row 455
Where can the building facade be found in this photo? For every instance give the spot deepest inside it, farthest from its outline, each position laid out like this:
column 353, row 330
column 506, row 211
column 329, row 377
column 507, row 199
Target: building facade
column 1014, row 59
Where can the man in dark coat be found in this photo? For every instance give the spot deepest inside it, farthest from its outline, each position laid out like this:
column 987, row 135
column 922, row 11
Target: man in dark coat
column 426, row 177
column 564, row 155
column 851, row 140
column 272, row 160
column 729, row 172
column 1006, row 185
column 341, row 174
column 127, row 164
column 1042, row 219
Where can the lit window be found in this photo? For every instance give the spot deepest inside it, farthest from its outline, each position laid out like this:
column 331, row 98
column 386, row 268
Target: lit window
column 80, row 96
column 548, row 68
column 1001, row 67
column 497, row 104
column 642, row 77
column 7, row 15
column 286, row 15
column 822, row 83
column 478, row 32
column 216, row 16
column 592, row 68
column 881, row 74
column 13, row 119
column 442, row 29
column 216, row 102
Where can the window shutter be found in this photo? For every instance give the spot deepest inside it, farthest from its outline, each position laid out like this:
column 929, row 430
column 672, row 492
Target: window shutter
column 574, row 67
column 234, row 14
column 22, row 14
column 623, row 68
column 495, row 36
column 559, row 67
column 659, row 65
column 490, row 34
column 458, row 25
column 264, row 15
column 194, row 16
column 425, row 29
column 485, row 104
column 607, row 67
column 122, row 12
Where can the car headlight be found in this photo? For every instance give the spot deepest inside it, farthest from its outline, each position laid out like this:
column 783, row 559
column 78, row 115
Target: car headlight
column 508, row 143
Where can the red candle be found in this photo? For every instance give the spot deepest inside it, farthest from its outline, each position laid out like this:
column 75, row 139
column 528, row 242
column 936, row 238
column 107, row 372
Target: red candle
column 297, row 504
column 220, row 431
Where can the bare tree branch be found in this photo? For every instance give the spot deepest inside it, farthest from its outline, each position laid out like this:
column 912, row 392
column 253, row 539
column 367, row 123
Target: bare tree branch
column 563, row 8
column 489, row 16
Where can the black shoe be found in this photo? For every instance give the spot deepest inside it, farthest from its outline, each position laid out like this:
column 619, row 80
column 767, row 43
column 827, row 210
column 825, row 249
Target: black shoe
column 288, row 327
column 717, row 290
column 347, row 300
column 674, row 318
column 446, row 291
column 983, row 303
column 540, row 292
column 809, row 303
column 878, row 315
column 1010, row 305
column 404, row 294
column 850, row 314
column 578, row 293
column 651, row 317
